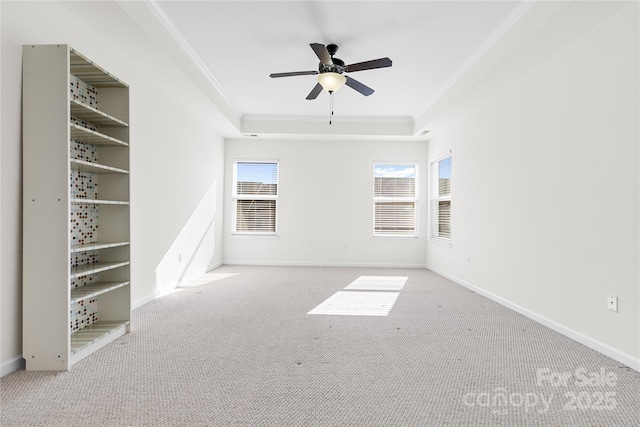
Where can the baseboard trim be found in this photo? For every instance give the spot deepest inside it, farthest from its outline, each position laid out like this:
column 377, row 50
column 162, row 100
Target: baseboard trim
column 150, row 297
column 321, row 264
column 12, row 365
column 214, row 266
column 596, row 345
column 142, row 301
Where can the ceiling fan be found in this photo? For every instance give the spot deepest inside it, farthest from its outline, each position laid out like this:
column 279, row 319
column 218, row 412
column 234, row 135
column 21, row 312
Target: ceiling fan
column 331, row 71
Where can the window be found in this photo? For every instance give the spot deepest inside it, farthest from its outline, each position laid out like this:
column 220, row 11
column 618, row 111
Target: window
column 441, row 198
column 394, row 199
column 255, row 193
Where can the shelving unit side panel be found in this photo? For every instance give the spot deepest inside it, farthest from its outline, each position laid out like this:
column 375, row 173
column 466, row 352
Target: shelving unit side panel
column 115, row 101
column 114, row 223
column 46, row 207
column 114, row 156
column 115, row 305
column 113, row 186
column 118, row 132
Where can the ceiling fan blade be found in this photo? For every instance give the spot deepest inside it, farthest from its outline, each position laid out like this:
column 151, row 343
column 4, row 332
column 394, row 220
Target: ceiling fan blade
column 315, row 92
column 322, row 53
column 294, row 73
column 354, row 84
column 369, row 65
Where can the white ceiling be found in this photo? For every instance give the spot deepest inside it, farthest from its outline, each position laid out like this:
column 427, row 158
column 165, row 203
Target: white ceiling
column 431, row 43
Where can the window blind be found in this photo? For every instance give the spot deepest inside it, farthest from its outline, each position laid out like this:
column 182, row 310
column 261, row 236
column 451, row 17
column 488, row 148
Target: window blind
column 394, row 187
column 256, row 216
column 256, row 191
column 394, row 194
column 395, row 218
column 441, row 199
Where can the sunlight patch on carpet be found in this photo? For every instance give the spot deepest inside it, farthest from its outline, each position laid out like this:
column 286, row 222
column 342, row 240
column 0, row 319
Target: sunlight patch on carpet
column 378, row 283
column 357, row 304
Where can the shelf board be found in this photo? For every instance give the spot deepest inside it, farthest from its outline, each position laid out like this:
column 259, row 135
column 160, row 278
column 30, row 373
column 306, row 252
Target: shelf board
column 98, row 202
column 94, row 333
column 95, row 289
column 97, row 267
column 87, row 71
column 83, row 165
column 89, row 136
column 93, row 115
column 95, row 246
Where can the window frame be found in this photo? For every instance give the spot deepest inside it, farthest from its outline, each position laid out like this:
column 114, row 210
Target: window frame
column 383, row 199
column 237, row 197
column 435, row 198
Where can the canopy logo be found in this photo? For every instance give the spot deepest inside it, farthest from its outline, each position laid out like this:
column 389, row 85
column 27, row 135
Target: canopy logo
column 583, row 390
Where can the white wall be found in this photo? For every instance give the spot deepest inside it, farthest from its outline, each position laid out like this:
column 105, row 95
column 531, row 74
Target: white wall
column 176, row 152
column 546, row 178
column 325, row 204
column 545, row 171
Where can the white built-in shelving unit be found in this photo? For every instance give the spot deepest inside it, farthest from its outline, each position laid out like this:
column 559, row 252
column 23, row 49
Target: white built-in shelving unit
column 76, row 248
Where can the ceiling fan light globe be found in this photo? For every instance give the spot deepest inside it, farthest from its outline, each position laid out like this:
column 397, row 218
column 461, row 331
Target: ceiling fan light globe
column 331, row 82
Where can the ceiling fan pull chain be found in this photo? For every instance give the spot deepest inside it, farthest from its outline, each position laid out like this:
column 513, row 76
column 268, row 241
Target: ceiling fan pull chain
column 330, row 106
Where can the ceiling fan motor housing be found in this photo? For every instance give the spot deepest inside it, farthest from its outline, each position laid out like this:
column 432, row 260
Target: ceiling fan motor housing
column 337, row 66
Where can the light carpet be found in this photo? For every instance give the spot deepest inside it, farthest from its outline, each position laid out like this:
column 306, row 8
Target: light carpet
column 242, row 351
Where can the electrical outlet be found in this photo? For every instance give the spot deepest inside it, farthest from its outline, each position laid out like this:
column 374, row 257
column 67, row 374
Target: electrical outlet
column 612, row 303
